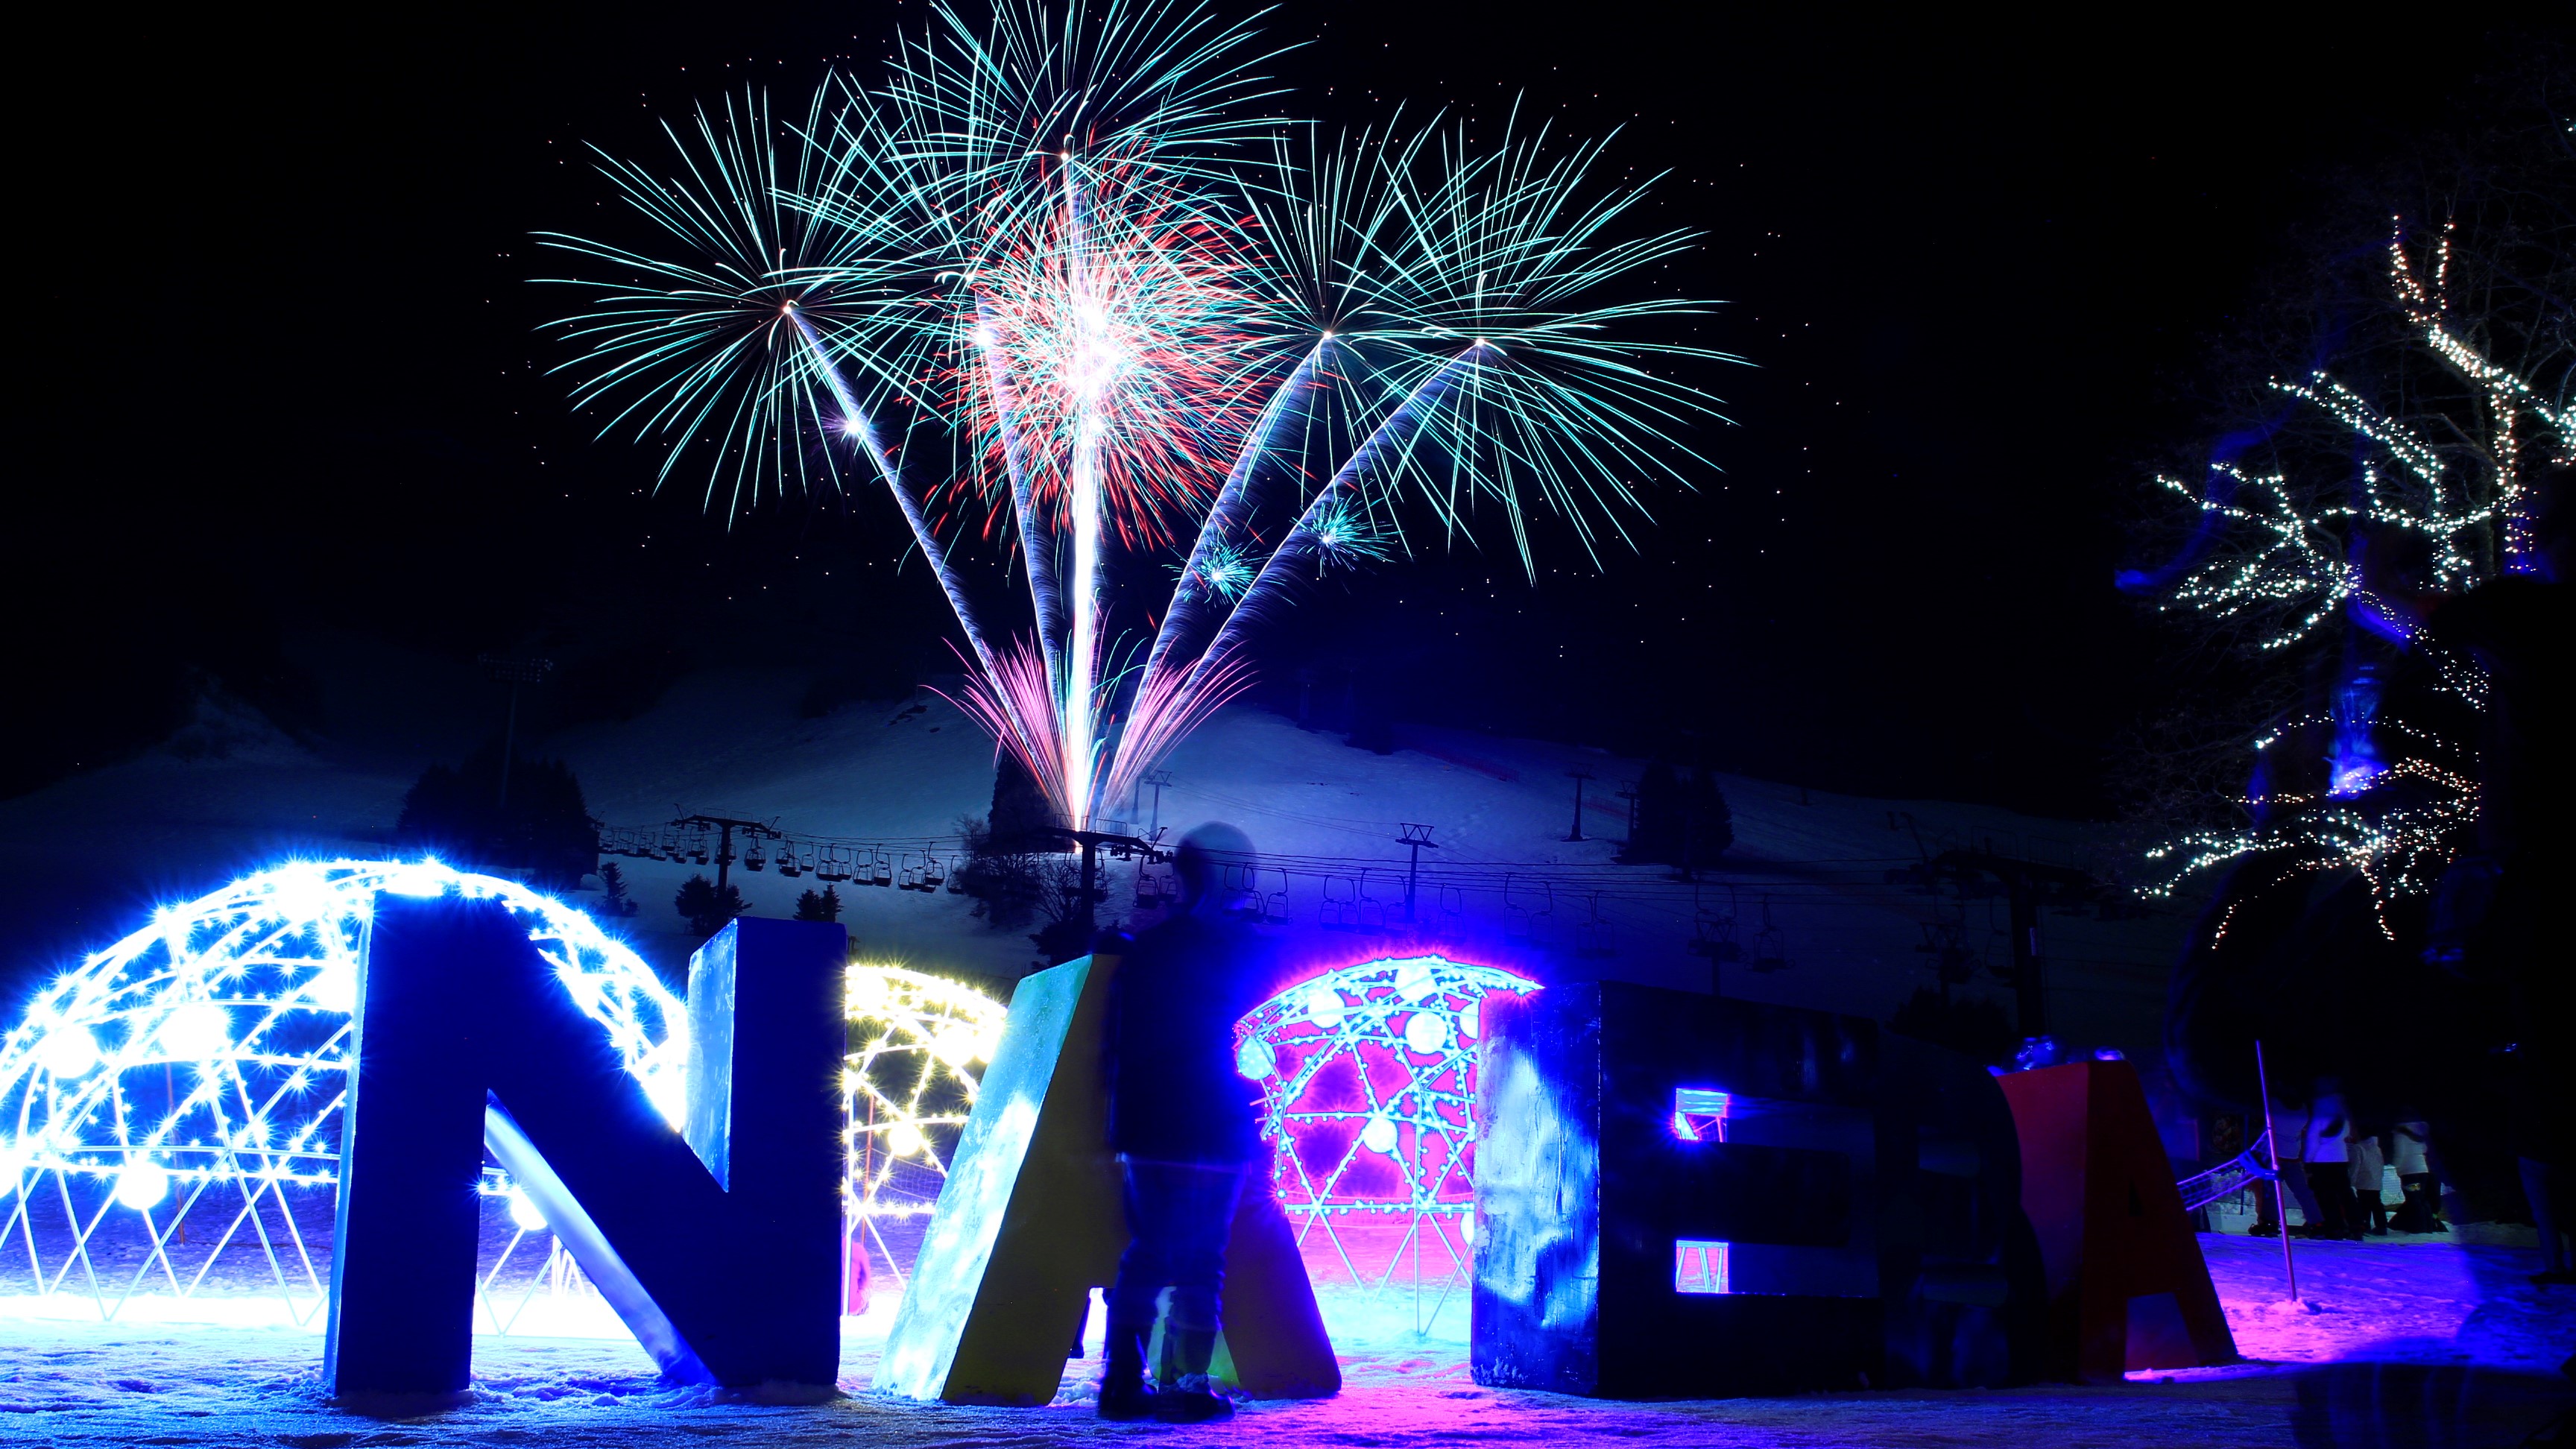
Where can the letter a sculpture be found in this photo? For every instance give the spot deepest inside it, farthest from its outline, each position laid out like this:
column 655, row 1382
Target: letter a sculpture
column 1031, row 1220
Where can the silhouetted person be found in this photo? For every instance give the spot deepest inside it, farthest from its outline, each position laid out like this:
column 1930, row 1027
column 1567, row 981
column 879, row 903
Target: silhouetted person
column 1185, row 1125
column 2415, row 1174
column 2329, row 1170
column 2369, row 1174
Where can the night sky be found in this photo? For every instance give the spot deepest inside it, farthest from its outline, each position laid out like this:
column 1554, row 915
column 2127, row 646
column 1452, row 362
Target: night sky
column 284, row 368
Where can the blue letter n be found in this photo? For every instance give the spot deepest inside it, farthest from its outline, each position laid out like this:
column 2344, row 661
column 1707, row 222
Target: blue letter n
column 720, row 1249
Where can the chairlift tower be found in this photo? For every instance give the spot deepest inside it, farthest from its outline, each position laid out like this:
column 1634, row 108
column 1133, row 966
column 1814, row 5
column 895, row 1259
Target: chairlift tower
column 726, row 826
column 1578, row 776
column 1158, row 779
column 1417, row 838
column 1090, row 843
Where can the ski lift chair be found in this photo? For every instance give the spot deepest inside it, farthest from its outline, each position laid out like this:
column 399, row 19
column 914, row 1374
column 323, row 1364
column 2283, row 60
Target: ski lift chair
column 789, row 865
column 754, row 858
column 1543, row 922
column 1340, row 910
column 1714, row 938
column 1242, row 891
column 934, row 871
column 1370, row 914
column 1453, row 905
column 1274, row 906
column 956, row 884
column 698, row 848
column 1516, row 917
column 835, row 866
column 911, row 878
column 883, row 873
column 1592, row 935
column 1770, row 947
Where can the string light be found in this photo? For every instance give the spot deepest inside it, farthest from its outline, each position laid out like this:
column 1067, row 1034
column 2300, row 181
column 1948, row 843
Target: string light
column 909, row 1086
column 2293, row 571
column 2398, row 830
column 200, row 1064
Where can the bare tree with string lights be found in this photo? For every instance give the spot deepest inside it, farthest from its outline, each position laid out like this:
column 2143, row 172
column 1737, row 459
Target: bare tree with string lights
column 2400, row 459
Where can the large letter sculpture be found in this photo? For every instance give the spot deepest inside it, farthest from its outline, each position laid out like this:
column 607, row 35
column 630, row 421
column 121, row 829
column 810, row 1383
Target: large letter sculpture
column 2127, row 1286
column 1031, row 1220
column 720, row 1249
column 1678, row 1195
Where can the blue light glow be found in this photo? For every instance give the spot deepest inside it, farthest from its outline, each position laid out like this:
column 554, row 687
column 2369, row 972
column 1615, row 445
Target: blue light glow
column 199, row 1065
column 1699, row 1114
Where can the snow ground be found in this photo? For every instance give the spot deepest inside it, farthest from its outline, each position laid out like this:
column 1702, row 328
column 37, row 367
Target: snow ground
column 2423, row 1342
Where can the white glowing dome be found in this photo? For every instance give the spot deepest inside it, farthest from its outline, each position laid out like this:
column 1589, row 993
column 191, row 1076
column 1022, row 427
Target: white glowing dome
column 201, row 1063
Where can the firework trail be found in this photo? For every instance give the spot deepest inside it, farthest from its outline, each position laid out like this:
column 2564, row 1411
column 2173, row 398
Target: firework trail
column 1077, row 258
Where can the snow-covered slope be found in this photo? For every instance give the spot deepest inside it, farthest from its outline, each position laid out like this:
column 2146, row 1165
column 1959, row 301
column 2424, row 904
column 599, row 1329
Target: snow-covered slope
column 1805, row 891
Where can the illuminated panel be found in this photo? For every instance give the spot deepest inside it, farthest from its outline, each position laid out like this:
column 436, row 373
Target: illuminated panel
column 1369, row 1078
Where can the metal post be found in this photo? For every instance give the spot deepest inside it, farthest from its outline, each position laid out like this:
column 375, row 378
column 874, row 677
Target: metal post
column 1090, row 877
column 1579, row 777
column 1416, row 837
column 2280, row 1208
column 2029, row 972
column 1158, row 779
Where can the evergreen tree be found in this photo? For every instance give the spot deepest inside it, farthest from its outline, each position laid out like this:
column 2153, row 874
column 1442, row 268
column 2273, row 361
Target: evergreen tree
column 822, row 905
column 543, row 831
column 1684, row 823
column 1658, row 834
column 1711, row 823
column 706, row 908
column 615, row 901
column 1020, row 813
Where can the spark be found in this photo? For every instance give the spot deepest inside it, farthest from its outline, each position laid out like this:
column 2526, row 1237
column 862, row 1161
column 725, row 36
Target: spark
column 1182, row 323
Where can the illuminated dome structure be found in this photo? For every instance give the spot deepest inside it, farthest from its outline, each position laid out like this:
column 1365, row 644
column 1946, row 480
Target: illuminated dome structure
column 187, row 1081
column 919, row 1046
column 1369, row 1073
column 911, row 1083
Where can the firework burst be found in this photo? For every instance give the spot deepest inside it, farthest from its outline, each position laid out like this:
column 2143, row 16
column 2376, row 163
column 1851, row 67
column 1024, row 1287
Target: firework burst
column 1065, row 276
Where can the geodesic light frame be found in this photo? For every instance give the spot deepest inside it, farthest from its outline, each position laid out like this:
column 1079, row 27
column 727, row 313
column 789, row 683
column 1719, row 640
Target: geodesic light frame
column 1368, row 1075
column 202, row 1061
column 918, row 1042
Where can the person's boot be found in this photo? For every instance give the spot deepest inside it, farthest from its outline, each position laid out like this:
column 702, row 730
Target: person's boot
column 2416, row 1214
column 1191, row 1399
column 1123, row 1394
